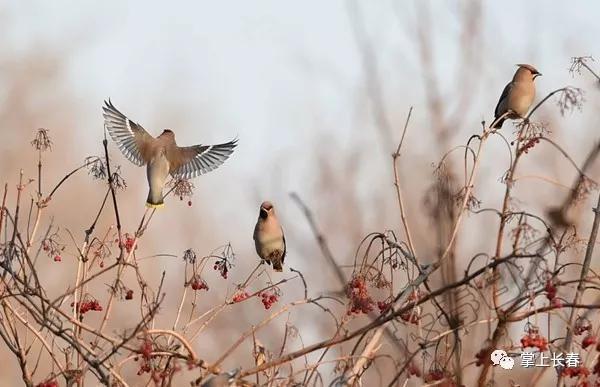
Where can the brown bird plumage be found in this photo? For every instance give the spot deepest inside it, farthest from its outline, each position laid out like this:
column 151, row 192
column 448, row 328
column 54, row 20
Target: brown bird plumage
column 518, row 95
column 269, row 239
column 162, row 155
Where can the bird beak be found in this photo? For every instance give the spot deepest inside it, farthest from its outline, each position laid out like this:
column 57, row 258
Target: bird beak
column 263, row 213
column 538, row 75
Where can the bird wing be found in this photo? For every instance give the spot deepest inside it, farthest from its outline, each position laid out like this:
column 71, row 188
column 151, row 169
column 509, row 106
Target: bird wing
column 131, row 138
column 255, row 234
column 504, row 95
column 191, row 161
column 284, row 246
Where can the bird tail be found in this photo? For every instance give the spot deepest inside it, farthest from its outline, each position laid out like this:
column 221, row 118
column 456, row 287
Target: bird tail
column 276, row 261
column 155, row 201
column 277, row 265
column 498, row 124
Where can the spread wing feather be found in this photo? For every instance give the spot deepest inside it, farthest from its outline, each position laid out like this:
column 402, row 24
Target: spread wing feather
column 131, row 138
column 191, row 161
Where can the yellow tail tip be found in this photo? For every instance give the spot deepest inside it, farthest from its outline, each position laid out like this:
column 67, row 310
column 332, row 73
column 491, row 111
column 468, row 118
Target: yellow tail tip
column 151, row 205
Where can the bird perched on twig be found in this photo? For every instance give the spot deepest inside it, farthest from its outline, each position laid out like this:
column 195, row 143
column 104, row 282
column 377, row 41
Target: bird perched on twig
column 268, row 237
column 162, row 155
column 518, row 95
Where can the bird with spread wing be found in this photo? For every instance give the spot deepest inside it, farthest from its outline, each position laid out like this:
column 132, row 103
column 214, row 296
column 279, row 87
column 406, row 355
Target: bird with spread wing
column 161, row 155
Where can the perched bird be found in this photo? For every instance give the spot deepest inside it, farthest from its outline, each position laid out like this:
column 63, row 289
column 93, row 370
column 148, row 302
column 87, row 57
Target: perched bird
column 268, row 237
column 518, row 95
column 162, row 155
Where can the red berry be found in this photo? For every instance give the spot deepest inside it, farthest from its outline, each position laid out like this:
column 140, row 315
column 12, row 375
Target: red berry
column 57, row 258
column 588, row 340
column 240, row 296
column 557, row 303
column 413, row 370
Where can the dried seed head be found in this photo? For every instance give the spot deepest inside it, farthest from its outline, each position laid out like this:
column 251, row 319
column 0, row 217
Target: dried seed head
column 182, row 188
column 117, row 180
column 577, row 62
column 42, row 141
column 571, row 98
column 96, row 167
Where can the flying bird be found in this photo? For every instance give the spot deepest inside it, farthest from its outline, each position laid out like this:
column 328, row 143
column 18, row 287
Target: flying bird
column 268, row 237
column 162, row 156
column 518, row 95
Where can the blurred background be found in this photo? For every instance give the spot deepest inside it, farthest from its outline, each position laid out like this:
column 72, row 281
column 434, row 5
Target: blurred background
column 317, row 93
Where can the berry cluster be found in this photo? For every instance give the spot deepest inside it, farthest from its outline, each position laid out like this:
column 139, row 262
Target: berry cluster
column 52, row 248
column 48, row 383
column 86, row 306
column 588, row 340
column 144, row 368
column 240, row 296
column 269, row 298
column 550, row 289
column 575, row 372
column 146, row 351
column 157, row 375
column 199, row 284
column 433, row 376
column 534, row 339
column 128, row 243
column 47, row 245
column 413, row 370
column 129, row 294
column 530, row 144
column 384, row 306
column 357, row 292
column 412, row 316
column 557, row 303
column 223, row 267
